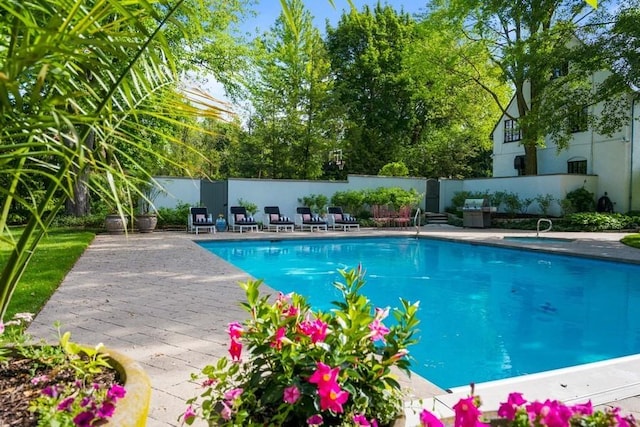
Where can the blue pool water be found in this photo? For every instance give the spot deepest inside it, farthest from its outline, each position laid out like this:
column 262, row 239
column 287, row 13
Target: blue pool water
column 486, row 313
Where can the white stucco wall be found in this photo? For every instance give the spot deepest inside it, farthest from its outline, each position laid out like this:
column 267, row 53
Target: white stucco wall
column 527, row 187
column 178, row 190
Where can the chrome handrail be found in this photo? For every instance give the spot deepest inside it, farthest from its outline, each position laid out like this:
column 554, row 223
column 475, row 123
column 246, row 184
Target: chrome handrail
column 538, row 231
column 416, row 220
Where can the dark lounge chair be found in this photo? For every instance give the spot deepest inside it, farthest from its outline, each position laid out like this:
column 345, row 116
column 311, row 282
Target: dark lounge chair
column 307, row 219
column 339, row 219
column 198, row 219
column 274, row 220
column 240, row 220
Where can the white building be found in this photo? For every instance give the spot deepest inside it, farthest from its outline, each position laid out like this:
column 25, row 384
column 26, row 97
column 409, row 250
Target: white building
column 614, row 160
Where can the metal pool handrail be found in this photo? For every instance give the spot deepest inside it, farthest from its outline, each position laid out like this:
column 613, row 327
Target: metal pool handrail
column 416, row 221
column 538, row 231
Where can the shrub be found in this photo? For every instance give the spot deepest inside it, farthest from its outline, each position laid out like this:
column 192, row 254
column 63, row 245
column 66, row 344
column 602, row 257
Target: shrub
column 173, row 216
column 580, row 200
column 394, row 169
column 351, row 201
column 544, row 202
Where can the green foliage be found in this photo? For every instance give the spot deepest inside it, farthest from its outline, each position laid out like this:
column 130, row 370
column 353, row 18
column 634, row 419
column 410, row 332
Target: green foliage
column 251, row 208
column 173, row 216
column 579, row 200
column 394, row 169
column 632, row 240
column 289, row 345
column 596, row 221
column 395, row 196
column 544, row 202
column 316, row 202
column 351, row 201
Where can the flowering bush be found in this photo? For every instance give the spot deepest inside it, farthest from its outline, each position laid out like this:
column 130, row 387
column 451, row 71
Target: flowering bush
column 517, row 412
column 69, row 381
column 306, row 367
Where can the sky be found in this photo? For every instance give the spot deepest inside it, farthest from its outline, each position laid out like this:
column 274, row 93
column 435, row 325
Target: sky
column 321, row 10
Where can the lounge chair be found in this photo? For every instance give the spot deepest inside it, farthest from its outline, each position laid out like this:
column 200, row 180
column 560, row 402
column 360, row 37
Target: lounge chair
column 306, row 219
column 403, row 219
column 339, row 219
column 274, row 220
column 240, row 220
column 198, row 219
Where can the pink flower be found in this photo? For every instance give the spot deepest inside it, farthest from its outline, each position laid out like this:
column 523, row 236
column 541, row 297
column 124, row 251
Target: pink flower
column 226, row 411
column 509, row 408
column 361, row 420
column 382, row 313
column 39, row 379
column 291, row 394
column 235, row 331
column 324, row 375
column 315, row 420
column 399, row 355
column 115, row 392
column 427, row 419
column 233, row 394
column 279, row 338
column 208, row 382
column 65, row 404
column 332, row 397
column 467, row 414
column 292, row 311
column 84, row 419
column 378, row 330
column 189, row 413
column 316, row 330
column 51, row 391
column 106, row 410
column 235, row 350
column 583, row 408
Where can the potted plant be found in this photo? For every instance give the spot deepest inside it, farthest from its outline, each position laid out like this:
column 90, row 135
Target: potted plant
column 147, row 219
column 66, row 383
column 221, row 223
column 252, row 208
column 290, row 365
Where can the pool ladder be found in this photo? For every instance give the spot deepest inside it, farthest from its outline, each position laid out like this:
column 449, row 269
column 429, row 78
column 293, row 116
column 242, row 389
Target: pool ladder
column 538, row 231
column 416, row 220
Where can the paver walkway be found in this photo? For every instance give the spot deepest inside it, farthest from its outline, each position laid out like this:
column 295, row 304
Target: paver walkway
column 166, row 302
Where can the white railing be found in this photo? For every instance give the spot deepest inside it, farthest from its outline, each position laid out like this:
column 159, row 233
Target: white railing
column 538, row 231
column 416, row 220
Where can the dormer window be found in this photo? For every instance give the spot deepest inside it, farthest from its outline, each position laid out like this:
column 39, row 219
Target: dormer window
column 512, row 131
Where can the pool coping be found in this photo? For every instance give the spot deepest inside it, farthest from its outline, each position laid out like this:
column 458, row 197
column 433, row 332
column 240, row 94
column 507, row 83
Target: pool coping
column 149, row 296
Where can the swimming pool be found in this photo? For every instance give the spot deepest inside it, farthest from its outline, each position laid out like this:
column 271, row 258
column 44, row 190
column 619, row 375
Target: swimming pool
column 486, row 313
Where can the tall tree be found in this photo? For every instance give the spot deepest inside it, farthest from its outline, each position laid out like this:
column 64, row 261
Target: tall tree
column 531, row 43
column 366, row 52
column 288, row 91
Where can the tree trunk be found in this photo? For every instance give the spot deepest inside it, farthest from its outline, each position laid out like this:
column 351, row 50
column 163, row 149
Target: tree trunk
column 79, row 205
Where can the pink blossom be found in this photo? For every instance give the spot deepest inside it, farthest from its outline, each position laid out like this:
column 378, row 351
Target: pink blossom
column 106, row 410
column 189, row 413
column 332, row 397
column 292, row 311
column 65, row 404
column 116, row 391
column 509, row 408
column 226, row 411
column 315, row 420
column 316, row 330
column 208, row 382
column 291, row 394
column 427, row 419
column 382, row 313
column 378, row 330
column 467, row 414
column 235, row 350
column 279, row 338
column 84, row 419
column 361, row 420
column 324, row 375
column 233, row 394
column 583, row 408
column 51, row 391
column 39, row 379
column 235, row 331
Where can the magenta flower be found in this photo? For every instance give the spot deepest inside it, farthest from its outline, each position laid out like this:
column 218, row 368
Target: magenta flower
column 106, row 410
column 235, row 331
column 189, row 413
column 583, row 408
column 291, row 395
column 509, row 408
column 39, row 379
column 467, row 414
column 292, row 311
column 116, row 392
column 361, row 420
column 226, row 411
column 235, row 350
column 378, row 330
column 332, row 397
column 315, row 420
column 324, row 375
column 279, row 338
column 316, row 330
column 51, row 391
column 65, row 404
column 427, row 419
column 233, row 394
column 84, row 419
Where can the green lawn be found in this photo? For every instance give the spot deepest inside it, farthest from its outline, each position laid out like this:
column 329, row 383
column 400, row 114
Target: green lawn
column 55, row 256
column 632, row 240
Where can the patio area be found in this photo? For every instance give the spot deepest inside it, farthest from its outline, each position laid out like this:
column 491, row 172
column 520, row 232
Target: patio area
column 166, row 302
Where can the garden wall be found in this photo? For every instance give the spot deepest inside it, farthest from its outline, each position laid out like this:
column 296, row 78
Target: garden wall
column 527, row 187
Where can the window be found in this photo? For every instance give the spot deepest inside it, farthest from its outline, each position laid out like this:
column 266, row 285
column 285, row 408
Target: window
column 519, row 164
column 561, row 70
column 512, row 131
column 577, row 166
column 578, row 119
